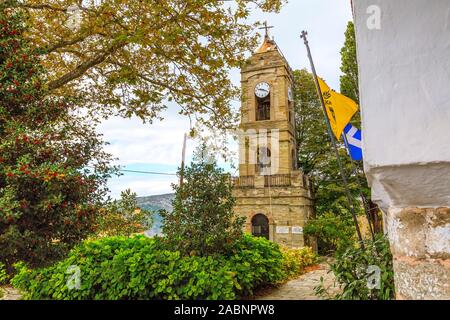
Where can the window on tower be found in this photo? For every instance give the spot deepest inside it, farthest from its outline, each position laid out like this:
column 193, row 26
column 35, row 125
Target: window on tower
column 263, row 108
column 264, row 160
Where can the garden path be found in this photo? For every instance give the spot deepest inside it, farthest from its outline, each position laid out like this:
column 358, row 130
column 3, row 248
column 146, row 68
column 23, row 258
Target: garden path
column 301, row 288
column 9, row 293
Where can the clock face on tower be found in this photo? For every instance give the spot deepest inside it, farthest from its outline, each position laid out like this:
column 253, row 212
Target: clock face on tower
column 262, row 90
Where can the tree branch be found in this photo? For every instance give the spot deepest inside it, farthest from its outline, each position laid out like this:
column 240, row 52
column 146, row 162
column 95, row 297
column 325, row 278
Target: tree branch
column 64, row 43
column 82, row 68
column 39, row 7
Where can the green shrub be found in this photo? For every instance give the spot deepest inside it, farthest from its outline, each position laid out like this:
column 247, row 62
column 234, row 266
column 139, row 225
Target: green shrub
column 334, row 233
column 296, row 260
column 143, row 268
column 352, row 273
column 3, row 274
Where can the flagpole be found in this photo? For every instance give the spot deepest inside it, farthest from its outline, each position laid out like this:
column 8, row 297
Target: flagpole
column 333, row 142
column 363, row 198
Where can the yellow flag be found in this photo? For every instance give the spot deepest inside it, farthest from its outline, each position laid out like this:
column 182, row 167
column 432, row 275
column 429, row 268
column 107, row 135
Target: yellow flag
column 340, row 109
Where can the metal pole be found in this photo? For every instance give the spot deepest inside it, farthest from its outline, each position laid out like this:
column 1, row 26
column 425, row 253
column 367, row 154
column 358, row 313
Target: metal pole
column 333, row 142
column 363, row 198
column 373, row 215
column 183, row 156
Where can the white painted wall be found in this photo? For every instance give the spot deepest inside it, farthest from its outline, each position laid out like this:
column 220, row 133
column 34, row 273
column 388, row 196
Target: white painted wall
column 404, row 78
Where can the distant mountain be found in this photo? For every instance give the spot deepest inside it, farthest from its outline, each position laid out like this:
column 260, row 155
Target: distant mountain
column 156, row 203
column 160, row 201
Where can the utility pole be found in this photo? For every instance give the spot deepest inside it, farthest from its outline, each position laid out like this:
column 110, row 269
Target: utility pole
column 183, row 156
column 333, row 142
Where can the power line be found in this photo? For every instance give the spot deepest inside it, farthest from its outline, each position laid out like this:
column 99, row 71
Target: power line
column 148, row 172
column 145, row 172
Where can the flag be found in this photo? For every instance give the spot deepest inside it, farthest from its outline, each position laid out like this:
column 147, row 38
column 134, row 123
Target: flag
column 340, row 109
column 354, row 140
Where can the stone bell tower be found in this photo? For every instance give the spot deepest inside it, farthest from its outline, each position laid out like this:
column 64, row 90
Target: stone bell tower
column 272, row 193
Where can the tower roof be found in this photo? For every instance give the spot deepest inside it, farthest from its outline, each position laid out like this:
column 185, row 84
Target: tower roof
column 268, row 53
column 268, row 44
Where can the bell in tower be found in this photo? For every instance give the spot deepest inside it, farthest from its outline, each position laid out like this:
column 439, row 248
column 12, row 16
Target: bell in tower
column 271, row 192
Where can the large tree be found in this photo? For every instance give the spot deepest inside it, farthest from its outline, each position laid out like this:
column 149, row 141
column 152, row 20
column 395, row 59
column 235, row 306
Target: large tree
column 202, row 221
column 349, row 65
column 133, row 57
column 317, row 159
column 315, row 153
column 49, row 197
column 313, row 142
column 349, row 87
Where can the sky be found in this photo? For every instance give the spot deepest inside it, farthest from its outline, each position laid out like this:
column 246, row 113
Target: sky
column 157, row 147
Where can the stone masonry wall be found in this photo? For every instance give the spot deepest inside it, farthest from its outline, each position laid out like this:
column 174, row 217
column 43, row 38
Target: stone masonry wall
column 286, row 206
column 420, row 244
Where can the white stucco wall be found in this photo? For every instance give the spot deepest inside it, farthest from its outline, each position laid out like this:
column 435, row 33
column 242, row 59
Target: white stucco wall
column 404, row 79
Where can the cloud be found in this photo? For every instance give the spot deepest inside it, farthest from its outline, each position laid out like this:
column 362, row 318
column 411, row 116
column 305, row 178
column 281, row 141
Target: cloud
column 134, row 142
column 143, row 185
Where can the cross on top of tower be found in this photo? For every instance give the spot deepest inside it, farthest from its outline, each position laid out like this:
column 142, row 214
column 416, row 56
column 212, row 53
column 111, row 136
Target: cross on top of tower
column 266, row 27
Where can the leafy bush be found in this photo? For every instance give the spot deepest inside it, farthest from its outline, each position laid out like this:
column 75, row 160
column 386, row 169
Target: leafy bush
column 3, row 274
column 334, row 233
column 143, row 268
column 296, row 260
column 353, row 274
column 3, row 278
